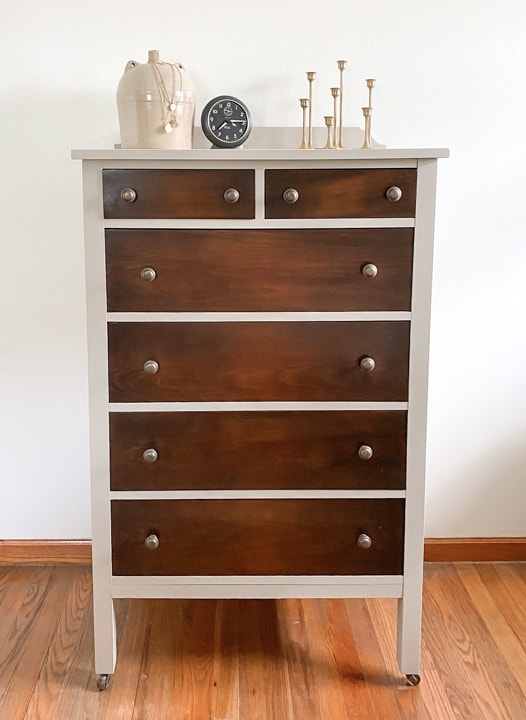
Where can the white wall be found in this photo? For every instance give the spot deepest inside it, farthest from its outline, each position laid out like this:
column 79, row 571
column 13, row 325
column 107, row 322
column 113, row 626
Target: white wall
column 450, row 74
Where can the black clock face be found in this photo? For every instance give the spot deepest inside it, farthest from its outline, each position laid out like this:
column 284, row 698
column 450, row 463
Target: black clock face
column 226, row 121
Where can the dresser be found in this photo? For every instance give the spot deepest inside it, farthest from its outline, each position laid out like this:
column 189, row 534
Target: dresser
column 258, row 334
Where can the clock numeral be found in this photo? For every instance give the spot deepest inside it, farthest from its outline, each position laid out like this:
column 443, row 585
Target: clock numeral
column 214, row 111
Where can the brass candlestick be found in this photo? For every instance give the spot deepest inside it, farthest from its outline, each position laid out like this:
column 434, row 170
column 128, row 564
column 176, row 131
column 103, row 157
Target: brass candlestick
column 310, row 77
column 335, row 92
column 329, row 122
column 341, row 68
column 367, row 145
column 370, row 84
column 304, row 102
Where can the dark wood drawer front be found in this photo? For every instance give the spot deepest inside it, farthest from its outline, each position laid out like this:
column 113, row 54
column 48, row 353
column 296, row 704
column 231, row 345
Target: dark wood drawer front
column 178, row 193
column 257, row 537
column 259, row 270
column 340, row 193
column 243, row 361
column 257, row 450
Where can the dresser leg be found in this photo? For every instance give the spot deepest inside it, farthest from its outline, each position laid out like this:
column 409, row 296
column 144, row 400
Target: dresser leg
column 409, row 631
column 105, row 637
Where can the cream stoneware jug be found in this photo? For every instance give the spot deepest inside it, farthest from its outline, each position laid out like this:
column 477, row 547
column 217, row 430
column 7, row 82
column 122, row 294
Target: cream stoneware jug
column 156, row 104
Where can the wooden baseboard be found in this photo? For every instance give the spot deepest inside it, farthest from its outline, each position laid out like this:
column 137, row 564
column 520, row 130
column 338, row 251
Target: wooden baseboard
column 78, row 552
column 44, row 552
column 510, row 549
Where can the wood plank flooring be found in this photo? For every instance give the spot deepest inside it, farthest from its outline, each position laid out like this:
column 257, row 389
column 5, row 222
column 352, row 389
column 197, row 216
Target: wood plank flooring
column 261, row 659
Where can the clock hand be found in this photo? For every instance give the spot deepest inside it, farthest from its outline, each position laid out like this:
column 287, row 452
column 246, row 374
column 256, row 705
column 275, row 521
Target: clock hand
column 243, row 122
column 222, row 125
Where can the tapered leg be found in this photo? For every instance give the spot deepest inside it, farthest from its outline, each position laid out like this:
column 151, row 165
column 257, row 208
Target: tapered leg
column 409, row 634
column 105, row 634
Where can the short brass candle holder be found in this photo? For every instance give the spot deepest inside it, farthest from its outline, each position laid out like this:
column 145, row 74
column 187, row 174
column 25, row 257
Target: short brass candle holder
column 329, row 122
column 304, row 102
column 310, row 77
column 335, row 92
column 341, row 68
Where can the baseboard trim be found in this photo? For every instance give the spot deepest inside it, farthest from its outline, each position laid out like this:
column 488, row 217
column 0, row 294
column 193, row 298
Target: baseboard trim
column 44, row 552
column 483, row 549
column 78, row 552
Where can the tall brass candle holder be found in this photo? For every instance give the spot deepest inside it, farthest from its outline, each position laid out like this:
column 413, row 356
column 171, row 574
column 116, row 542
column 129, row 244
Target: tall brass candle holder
column 367, row 113
column 304, row 102
column 329, row 122
column 341, row 68
column 310, row 77
column 370, row 84
column 367, row 145
column 335, row 92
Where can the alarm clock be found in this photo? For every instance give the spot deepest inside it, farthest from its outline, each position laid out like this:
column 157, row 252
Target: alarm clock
column 226, row 122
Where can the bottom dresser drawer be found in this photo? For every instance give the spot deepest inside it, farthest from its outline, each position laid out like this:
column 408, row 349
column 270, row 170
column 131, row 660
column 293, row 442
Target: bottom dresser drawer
column 258, row 537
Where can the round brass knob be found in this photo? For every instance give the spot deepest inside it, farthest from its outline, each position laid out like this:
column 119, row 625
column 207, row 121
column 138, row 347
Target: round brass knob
column 231, row 195
column 128, row 195
column 150, row 455
column 291, row 196
column 393, row 194
column 369, row 270
column 367, row 364
column 364, row 542
column 151, row 367
column 152, row 542
column 148, row 274
column 365, row 452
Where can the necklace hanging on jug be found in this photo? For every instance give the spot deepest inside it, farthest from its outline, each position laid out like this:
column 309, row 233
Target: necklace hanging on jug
column 169, row 102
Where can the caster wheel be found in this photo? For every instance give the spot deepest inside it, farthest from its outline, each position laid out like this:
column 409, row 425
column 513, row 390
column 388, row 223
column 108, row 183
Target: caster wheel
column 103, row 682
column 413, row 680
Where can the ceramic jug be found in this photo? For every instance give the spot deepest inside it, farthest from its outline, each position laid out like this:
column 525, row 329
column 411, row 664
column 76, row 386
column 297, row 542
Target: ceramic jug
column 156, row 104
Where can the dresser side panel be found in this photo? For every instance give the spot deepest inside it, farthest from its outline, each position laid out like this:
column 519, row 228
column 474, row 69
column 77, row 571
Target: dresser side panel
column 104, row 619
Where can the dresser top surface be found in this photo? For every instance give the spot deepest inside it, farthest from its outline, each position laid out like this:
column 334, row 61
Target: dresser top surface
column 247, row 154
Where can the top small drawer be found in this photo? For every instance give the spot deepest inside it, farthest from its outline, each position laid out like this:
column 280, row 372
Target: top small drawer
column 194, row 194
column 340, row 193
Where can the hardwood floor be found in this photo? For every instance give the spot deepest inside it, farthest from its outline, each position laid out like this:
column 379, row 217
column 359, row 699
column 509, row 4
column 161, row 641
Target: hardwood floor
column 264, row 660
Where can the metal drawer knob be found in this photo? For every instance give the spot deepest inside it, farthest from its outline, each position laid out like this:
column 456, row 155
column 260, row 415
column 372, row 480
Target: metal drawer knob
column 128, row 195
column 152, row 542
column 365, row 452
column 231, row 195
column 367, row 364
column 369, row 270
column 364, row 542
column 151, row 367
column 148, row 274
column 393, row 194
column 291, row 196
column 150, row 455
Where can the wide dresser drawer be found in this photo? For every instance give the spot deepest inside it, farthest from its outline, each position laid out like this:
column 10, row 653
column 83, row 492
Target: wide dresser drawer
column 257, row 537
column 258, row 361
column 305, row 270
column 257, row 450
column 192, row 194
column 340, row 193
